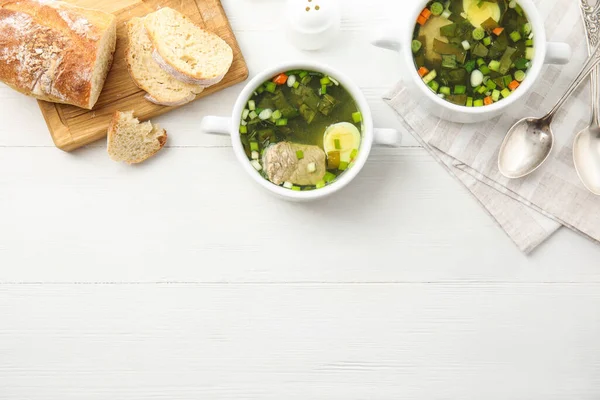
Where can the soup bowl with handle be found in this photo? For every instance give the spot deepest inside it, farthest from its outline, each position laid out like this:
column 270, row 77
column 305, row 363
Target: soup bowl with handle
column 370, row 136
column 399, row 37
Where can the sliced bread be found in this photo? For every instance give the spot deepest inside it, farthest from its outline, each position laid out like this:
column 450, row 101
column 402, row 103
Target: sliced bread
column 186, row 51
column 161, row 87
column 132, row 141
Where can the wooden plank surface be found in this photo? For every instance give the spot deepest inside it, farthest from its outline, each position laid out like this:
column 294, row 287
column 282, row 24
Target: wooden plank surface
column 72, row 127
column 400, row 288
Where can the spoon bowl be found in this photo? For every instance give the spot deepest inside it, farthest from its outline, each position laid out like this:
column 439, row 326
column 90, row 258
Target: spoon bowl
column 586, row 156
column 529, row 142
column 525, row 148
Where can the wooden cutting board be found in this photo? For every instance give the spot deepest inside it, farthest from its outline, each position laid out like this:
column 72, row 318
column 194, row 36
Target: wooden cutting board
column 72, row 127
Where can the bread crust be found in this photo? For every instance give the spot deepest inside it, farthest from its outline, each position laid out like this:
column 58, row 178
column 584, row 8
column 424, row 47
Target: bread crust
column 49, row 50
column 153, row 98
column 112, row 130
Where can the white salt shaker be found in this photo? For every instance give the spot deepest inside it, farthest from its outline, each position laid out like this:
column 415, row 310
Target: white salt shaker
column 312, row 24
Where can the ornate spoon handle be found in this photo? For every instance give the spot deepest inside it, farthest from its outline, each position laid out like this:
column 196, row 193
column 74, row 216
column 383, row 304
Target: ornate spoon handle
column 591, row 19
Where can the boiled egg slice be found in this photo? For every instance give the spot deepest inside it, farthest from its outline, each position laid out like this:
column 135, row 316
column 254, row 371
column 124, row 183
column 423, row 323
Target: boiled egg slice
column 478, row 13
column 343, row 137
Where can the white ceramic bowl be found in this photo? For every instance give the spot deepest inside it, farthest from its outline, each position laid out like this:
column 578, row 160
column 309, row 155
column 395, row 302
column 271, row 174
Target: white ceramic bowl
column 230, row 126
column 399, row 39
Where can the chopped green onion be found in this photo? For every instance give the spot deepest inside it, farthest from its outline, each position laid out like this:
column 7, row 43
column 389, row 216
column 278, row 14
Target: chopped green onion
column 521, row 63
column 281, row 122
column 252, row 105
column 460, row 89
column 288, row 185
column 336, row 83
column 416, row 46
column 496, row 95
column 437, row 8
column 260, row 90
column 529, row 42
column 357, row 117
column 507, row 80
column 478, row 33
column 470, row 65
column 299, row 154
column 527, row 28
column 243, row 129
column 276, row 114
column 490, row 84
column 480, row 62
column 323, row 89
column 430, row 76
column 434, row 86
column 270, row 87
column 515, row 36
column 245, row 113
column 353, row 154
column 325, row 80
column 446, row 14
column 253, row 115
column 296, row 188
column 254, row 155
column 478, row 103
column 254, row 146
column 529, row 53
column 465, row 44
column 256, row 165
column 469, row 102
column 484, row 69
column 291, row 80
column 320, row 184
column 445, row 90
column 505, row 92
column 265, row 114
column 329, row 177
column 487, row 41
column 481, row 89
column 520, row 76
column 494, row 65
column 337, row 144
column 296, row 85
column 303, row 74
column 343, row 166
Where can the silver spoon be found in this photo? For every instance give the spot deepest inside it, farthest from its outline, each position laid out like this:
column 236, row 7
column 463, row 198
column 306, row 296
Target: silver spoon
column 529, row 142
column 586, row 147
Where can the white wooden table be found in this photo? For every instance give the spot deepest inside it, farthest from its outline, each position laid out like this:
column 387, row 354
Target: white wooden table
column 180, row 279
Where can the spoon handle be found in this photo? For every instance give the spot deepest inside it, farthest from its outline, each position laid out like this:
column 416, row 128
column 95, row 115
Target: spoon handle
column 588, row 67
column 591, row 19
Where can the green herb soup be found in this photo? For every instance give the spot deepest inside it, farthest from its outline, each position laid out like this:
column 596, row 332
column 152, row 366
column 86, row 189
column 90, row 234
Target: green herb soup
column 473, row 53
column 301, row 130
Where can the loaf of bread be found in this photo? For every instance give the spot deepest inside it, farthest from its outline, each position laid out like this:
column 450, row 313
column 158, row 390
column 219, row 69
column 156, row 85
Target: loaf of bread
column 186, row 51
column 160, row 86
column 55, row 51
column 132, row 141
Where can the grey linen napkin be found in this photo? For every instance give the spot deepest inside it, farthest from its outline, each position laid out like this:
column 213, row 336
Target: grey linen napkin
column 531, row 209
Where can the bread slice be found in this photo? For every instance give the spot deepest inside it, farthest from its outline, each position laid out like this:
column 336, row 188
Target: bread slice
column 132, row 141
column 161, row 87
column 186, row 51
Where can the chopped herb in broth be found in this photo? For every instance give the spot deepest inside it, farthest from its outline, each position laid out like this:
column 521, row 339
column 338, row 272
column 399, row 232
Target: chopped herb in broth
column 301, row 130
column 473, row 53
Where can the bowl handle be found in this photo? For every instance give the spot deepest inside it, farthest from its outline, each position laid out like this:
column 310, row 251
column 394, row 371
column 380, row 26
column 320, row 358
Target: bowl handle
column 558, row 53
column 216, row 125
column 388, row 38
column 387, row 137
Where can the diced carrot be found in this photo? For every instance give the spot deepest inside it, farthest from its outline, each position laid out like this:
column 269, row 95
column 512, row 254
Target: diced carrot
column 513, row 85
column 498, row 31
column 426, row 13
column 488, row 100
column 423, row 71
column 421, row 20
column 280, row 79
